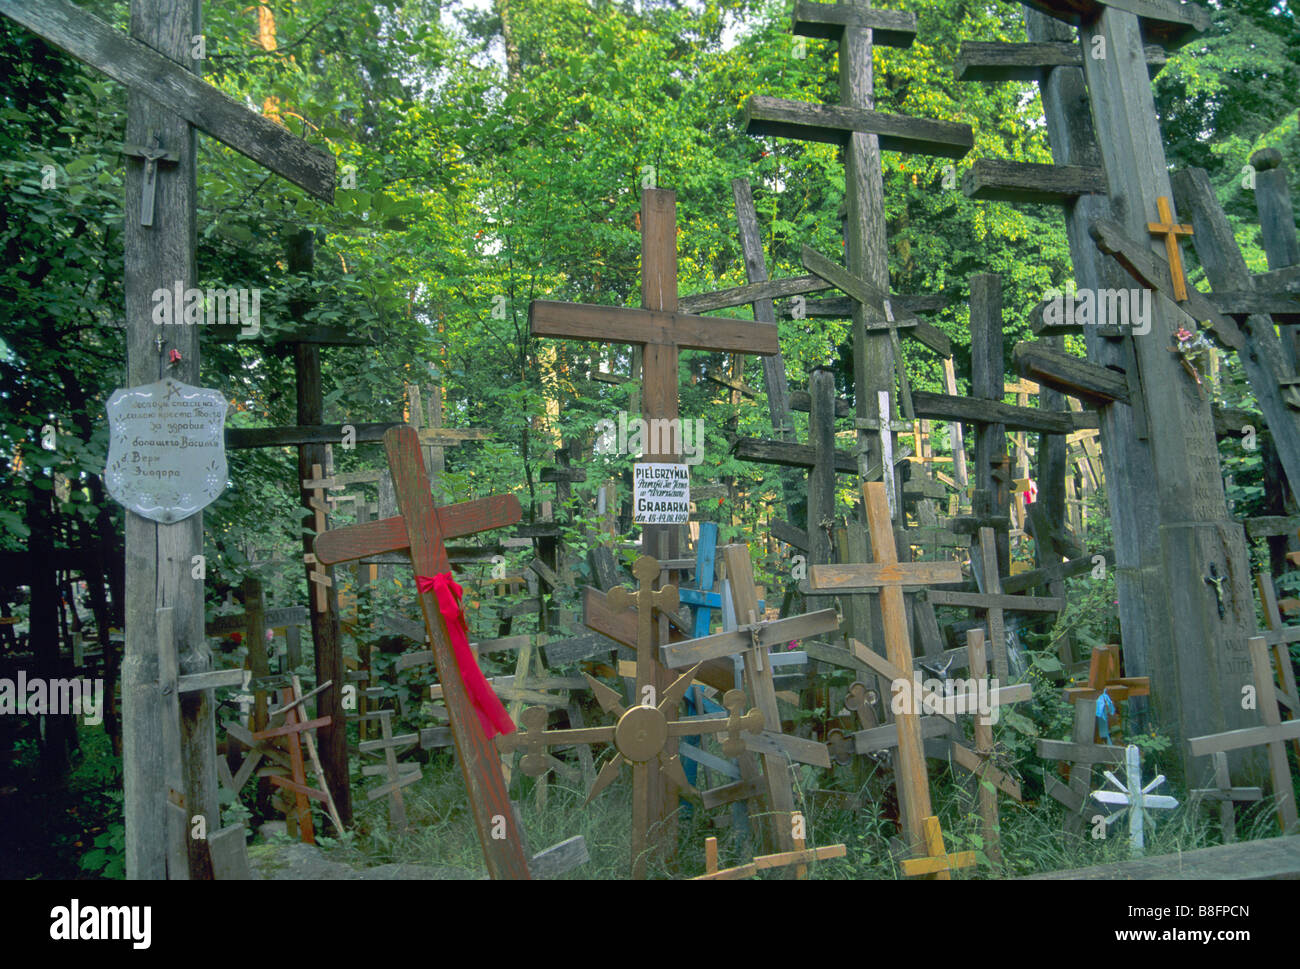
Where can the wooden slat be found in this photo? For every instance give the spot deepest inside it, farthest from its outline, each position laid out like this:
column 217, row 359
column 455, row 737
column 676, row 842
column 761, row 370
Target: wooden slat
column 972, row 410
column 1077, row 753
column 1003, row 61
column 889, row 28
column 875, row 574
column 788, row 454
column 980, row 600
column 752, row 293
column 780, row 118
column 619, row 324
column 389, row 534
column 994, row 180
column 1070, row 375
column 209, row 109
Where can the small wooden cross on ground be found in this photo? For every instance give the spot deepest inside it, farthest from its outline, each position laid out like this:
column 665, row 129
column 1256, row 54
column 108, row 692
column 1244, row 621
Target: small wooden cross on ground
column 937, row 863
column 799, row 856
column 1103, row 677
column 1082, row 754
column 752, row 640
column 1171, row 230
column 887, row 573
column 1225, row 796
column 396, row 776
column 420, row 530
column 291, row 732
column 981, row 761
column 1273, row 735
column 1279, row 638
column 1135, row 798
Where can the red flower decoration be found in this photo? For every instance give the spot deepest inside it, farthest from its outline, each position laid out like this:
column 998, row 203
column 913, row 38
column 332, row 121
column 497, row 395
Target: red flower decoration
column 173, row 356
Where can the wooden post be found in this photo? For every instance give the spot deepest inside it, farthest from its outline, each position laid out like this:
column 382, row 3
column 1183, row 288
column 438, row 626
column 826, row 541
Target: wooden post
column 326, row 635
column 991, row 477
column 158, row 556
column 1193, row 645
column 821, row 480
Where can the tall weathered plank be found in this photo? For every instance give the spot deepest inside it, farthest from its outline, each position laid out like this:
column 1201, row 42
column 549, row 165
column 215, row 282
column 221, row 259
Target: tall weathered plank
column 1197, row 659
column 158, row 557
column 1123, row 430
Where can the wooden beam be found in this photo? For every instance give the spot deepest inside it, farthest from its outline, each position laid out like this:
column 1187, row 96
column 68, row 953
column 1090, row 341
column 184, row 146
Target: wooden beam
column 621, row 324
column 1002, row 61
column 751, row 293
column 1168, row 21
column 827, row 21
column 834, row 124
column 991, row 179
column 1071, row 375
column 973, row 410
column 143, row 69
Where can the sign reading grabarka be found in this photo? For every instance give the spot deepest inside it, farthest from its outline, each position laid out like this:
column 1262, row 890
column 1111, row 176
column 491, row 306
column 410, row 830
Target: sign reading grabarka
column 661, row 494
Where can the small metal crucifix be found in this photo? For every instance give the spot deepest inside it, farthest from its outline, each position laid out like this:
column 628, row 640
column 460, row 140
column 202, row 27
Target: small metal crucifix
column 151, row 157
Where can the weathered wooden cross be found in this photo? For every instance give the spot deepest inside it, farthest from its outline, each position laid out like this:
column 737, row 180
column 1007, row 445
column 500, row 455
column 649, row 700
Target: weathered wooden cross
column 1273, row 735
column 864, row 133
column 167, row 104
column 1082, row 754
column 420, row 530
column 640, row 738
column 752, row 640
column 659, row 329
column 1225, row 796
column 890, row 576
column 1175, row 490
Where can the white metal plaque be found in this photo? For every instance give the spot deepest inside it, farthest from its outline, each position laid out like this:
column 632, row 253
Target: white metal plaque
column 167, row 449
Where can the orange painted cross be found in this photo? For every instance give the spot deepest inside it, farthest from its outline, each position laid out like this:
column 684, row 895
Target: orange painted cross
column 1171, row 231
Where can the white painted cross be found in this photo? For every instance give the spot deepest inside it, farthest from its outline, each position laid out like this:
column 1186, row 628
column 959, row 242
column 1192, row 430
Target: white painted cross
column 1136, row 798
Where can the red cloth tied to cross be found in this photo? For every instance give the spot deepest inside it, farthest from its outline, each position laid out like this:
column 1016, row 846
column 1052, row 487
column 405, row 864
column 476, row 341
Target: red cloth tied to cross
column 491, row 711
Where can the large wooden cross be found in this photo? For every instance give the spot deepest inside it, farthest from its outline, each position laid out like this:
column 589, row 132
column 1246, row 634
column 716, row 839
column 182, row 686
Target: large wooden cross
column 659, row 329
column 419, row 530
column 167, row 104
column 890, row 576
column 863, row 133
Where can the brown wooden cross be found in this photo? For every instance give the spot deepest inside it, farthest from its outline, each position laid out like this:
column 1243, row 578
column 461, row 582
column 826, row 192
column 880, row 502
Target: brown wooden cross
column 799, row 855
column 659, row 329
column 1103, row 674
column 890, row 576
column 1083, row 755
column 419, row 530
column 640, row 738
column 1273, row 735
column 1171, row 230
